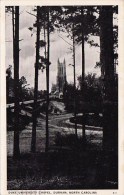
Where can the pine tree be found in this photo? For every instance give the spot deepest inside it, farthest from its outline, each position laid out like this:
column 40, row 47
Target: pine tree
column 110, row 126
column 16, row 150
column 47, row 81
column 83, row 72
column 84, row 22
column 34, row 115
column 75, row 95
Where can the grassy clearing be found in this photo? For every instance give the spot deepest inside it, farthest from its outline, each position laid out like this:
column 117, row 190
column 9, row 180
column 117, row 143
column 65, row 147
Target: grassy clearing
column 68, row 165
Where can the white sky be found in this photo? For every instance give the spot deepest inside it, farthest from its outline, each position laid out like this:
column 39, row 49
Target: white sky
column 58, row 49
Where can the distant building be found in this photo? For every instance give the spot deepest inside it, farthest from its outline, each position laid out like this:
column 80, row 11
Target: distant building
column 61, row 75
column 57, row 89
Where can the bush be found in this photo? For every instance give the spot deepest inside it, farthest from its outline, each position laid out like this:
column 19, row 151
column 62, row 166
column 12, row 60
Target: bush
column 91, row 120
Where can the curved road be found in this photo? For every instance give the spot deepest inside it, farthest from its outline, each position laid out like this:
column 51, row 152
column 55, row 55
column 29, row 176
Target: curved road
column 57, row 123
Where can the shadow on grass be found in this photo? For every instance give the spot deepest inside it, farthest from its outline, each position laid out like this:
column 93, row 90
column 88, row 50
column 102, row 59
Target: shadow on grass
column 69, row 164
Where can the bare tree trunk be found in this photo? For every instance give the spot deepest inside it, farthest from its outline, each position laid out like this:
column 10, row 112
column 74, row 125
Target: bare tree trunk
column 16, row 150
column 45, row 38
column 110, row 115
column 13, row 31
column 34, row 115
column 75, row 95
column 83, row 74
column 13, row 28
column 47, row 83
column 110, row 109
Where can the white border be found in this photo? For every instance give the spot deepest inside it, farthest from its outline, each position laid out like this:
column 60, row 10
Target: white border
column 3, row 170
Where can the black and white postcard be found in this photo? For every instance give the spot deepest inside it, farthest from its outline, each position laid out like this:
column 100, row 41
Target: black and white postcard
column 62, row 79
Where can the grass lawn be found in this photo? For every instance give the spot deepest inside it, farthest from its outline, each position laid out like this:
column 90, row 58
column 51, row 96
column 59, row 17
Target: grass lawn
column 64, row 168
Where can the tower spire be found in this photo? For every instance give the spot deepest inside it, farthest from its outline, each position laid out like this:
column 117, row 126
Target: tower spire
column 61, row 75
column 64, row 61
column 58, row 61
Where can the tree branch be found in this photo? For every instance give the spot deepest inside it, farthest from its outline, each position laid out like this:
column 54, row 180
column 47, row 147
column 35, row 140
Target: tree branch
column 65, row 40
column 31, row 14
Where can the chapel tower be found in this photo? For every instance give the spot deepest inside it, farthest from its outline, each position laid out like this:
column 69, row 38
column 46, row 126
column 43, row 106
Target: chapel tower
column 61, row 75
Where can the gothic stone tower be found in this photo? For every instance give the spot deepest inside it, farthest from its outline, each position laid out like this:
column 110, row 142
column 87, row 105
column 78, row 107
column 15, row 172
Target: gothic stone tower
column 61, row 75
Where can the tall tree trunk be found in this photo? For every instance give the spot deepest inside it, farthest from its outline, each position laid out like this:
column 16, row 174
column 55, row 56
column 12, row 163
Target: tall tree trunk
column 16, row 150
column 45, row 39
column 110, row 113
column 83, row 74
column 13, row 32
column 47, row 83
column 34, row 115
column 75, row 95
column 13, row 28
